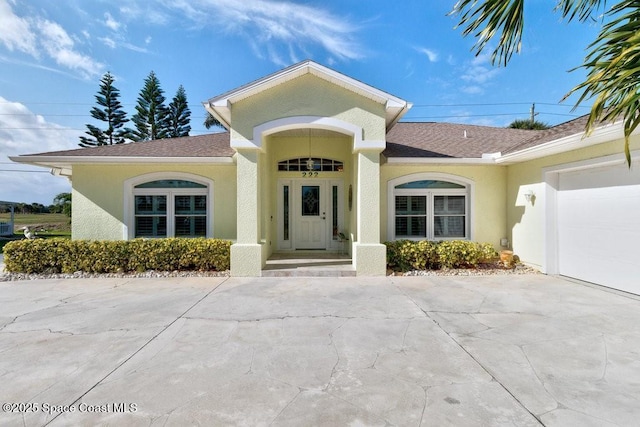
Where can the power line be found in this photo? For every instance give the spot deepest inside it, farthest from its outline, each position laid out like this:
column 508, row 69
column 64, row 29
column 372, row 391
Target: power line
column 22, row 170
column 192, row 132
column 497, row 104
column 66, row 115
column 462, row 116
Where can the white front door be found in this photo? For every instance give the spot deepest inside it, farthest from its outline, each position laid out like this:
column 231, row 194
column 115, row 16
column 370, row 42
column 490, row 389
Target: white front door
column 310, row 214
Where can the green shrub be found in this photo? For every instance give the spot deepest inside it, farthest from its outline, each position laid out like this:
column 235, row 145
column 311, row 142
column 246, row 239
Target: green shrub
column 101, row 256
column 405, row 255
column 458, row 253
column 487, row 252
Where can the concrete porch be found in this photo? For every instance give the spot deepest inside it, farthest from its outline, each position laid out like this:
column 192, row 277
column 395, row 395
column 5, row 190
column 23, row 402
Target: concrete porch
column 309, row 264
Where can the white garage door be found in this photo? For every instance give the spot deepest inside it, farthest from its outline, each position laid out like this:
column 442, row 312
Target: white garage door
column 599, row 226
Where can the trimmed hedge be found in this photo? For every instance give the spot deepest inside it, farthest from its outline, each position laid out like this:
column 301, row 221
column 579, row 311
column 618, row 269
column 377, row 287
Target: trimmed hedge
column 104, row 256
column 405, row 255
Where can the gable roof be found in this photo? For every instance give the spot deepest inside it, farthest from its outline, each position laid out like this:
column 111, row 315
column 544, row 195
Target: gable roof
column 220, row 106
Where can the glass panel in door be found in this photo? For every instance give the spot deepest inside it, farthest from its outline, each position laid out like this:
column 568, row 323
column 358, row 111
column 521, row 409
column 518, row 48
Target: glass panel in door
column 311, row 222
column 310, row 200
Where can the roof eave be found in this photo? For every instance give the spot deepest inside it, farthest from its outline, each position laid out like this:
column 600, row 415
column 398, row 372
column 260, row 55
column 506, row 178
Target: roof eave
column 221, row 112
column 66, row 162
column 606, row 133
column 440, row 160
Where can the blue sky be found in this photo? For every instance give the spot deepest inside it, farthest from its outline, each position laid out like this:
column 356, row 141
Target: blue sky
column 53, row 54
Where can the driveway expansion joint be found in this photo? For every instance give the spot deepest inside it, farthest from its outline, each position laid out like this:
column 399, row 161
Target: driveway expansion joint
column 77, row 400
column 478, row 362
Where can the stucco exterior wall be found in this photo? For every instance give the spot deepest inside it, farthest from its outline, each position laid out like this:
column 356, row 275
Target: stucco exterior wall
column 488, row 216
column 526, row 220
column 308, row 95
column 98, row 197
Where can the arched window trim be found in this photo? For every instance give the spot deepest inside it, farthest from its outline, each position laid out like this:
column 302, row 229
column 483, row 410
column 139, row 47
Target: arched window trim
column 468, row 191
column 130, row 192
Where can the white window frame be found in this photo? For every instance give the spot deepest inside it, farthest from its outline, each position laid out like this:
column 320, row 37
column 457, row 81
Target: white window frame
column 429, row 193
column 130, row 192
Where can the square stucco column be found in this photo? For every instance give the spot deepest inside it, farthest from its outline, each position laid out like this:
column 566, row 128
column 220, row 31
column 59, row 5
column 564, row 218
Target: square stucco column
column 369, row 255
column 246, row 253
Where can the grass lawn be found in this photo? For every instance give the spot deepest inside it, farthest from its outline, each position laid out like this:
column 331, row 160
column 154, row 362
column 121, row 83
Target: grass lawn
column 54, row 225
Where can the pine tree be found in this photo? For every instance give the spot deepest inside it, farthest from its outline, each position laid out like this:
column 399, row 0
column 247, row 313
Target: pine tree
column 111, row 113
column 179, row 115
column 151, row 118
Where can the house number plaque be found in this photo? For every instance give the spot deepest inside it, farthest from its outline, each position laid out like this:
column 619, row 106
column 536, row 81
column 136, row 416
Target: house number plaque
column 309, row 174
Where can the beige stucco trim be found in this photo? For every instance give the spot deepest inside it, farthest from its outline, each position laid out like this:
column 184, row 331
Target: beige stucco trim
column 63, row 165
column 263, row 130
column 306, row 122
column 116, row 159
column 408, row 161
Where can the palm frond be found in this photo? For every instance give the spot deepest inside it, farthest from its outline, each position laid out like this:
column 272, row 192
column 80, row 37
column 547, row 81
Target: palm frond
column 582, row 9
column 490, row 18
column 613, row 72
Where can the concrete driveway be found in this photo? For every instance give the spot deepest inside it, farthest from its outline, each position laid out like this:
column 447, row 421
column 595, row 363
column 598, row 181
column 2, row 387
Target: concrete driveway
column 466, row 351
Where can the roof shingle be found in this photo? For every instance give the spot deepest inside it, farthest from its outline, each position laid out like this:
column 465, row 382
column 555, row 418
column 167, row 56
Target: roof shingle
column 209, row 145
column 430, row 139
column 405, row 139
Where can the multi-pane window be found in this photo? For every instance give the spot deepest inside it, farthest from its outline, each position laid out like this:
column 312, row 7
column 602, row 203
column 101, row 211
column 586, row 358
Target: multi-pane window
column 411, row 216
column 151, row 216
column 305, row 164
column 170, row 208
column 430, row 209
column 190, row 216
column 449, row 216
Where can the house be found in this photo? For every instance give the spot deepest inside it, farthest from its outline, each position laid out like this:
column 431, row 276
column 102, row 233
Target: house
column 6, row 227
column 311, row 154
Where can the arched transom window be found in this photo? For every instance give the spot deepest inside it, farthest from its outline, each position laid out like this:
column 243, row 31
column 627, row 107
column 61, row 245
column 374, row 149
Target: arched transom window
column 434, row 209
column 313, row 164
column 170, row 208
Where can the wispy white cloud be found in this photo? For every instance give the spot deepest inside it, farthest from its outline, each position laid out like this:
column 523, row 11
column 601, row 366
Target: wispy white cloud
column 23, row 132
column 431, row 54
column 108, row 42
column 282, row 30
column 40, row 37
column 38, row 66
column 16, row 32
column 472, row 89
column 477, row 74
column 111, row 23
column 60, row 47
column 120, row 42
column 149, row 11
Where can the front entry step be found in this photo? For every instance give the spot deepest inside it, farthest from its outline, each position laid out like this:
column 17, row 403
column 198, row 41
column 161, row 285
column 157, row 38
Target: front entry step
column 309, row 265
